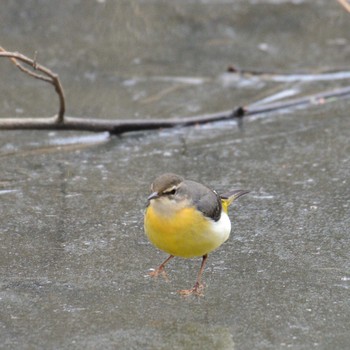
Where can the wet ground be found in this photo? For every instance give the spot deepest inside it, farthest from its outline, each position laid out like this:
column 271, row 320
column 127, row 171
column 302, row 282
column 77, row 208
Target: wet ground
column 74, row 258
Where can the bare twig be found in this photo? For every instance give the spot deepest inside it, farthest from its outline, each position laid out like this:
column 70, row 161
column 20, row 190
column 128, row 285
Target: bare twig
column 122, row 126
column 48, row 76
column 345, row 4
column 320, row 75
column 59, row 122
column 315, row 99
column 113, row 126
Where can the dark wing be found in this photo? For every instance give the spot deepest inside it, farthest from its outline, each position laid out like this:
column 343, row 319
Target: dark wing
column 206, row 200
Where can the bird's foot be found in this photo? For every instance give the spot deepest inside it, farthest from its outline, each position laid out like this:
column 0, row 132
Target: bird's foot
column 157, row 272
column 196, row 290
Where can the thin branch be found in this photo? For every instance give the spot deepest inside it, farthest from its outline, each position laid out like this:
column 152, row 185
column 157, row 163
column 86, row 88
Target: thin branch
column 320, row 75
column 345, row 4
column 113, row 126
column 48, row 76
column 314, row 99
column 60, row 122
column 122, row 126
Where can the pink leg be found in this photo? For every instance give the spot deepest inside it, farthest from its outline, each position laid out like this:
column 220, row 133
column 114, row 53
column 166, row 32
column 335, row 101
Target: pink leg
column 198, row 286
column 160, row 269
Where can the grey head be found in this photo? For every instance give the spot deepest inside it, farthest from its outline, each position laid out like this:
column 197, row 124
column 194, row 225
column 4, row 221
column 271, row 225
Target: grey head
column 177, row 189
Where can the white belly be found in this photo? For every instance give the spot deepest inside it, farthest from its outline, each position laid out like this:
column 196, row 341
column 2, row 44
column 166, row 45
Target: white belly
column 221, row 229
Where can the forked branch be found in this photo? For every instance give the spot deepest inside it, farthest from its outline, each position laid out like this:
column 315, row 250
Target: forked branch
column 61, row 122
column 47, row 76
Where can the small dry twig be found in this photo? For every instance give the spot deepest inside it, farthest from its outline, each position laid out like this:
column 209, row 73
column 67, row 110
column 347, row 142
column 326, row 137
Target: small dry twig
column 61, row 122
column 48, row 77
column 345, row 4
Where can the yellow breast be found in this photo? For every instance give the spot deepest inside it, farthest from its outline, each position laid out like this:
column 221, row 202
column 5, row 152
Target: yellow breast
column 186, row 232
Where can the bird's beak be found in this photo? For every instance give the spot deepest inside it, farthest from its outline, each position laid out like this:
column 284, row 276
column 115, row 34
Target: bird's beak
column 233, row 195
column 239, row 193
column 153, row 195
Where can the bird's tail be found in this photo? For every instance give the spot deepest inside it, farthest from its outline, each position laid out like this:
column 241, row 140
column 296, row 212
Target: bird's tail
column 228, row 197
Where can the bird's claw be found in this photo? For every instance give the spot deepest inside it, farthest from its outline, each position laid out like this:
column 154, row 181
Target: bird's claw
column 196, row 290
column 155, row 273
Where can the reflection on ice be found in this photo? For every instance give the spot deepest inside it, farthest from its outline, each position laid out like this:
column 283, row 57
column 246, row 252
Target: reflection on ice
column 89, row 138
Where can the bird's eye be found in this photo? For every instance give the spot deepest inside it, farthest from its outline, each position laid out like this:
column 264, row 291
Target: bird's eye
column 170, row 192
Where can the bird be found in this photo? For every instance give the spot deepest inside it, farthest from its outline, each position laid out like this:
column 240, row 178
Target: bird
column 187, row 219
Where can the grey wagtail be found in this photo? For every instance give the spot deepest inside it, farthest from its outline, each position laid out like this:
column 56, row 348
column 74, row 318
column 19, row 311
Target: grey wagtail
column 187, row 219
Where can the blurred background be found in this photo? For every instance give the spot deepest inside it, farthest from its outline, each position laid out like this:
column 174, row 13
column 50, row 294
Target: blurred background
column 73, row 255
